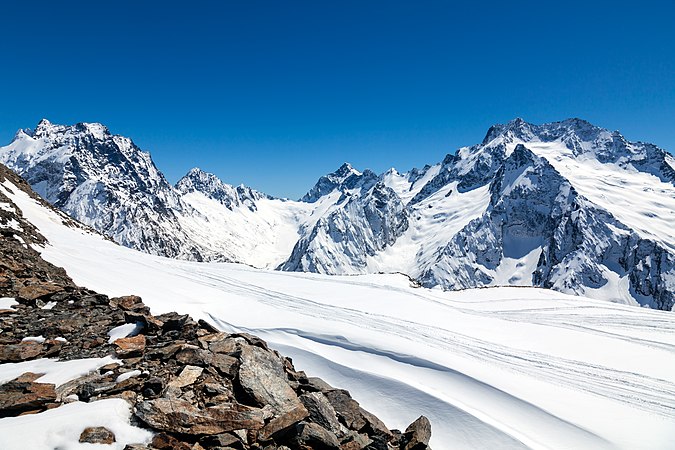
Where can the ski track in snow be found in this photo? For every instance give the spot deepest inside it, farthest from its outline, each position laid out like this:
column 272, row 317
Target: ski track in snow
column 492, row 368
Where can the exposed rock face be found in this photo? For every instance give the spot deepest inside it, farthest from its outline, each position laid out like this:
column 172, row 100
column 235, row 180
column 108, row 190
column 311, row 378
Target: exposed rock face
column 196, row 387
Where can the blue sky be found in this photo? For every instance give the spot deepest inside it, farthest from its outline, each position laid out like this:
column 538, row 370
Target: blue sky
column 275, row 94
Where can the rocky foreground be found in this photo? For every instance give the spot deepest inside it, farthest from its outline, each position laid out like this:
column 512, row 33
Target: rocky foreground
column 192, row 385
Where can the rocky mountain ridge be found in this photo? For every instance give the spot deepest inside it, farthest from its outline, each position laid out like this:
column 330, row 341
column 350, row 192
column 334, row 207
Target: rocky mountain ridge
column 193, row 386
column 422, row 222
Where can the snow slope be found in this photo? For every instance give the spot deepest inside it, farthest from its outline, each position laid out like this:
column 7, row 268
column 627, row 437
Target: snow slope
column 492, row 368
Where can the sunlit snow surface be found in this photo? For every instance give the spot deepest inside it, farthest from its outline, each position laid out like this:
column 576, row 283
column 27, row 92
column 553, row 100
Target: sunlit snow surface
column 492, row 368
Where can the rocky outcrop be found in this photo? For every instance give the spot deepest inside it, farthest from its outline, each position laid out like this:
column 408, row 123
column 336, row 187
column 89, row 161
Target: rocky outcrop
column 194, row 386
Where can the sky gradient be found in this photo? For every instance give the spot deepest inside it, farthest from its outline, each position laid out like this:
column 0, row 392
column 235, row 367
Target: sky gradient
column 276, row 94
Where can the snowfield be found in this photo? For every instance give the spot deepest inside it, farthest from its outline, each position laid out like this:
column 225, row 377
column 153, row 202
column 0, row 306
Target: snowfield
column 492, row 368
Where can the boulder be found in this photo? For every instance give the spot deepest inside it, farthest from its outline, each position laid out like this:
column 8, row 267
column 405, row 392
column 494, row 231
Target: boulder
column 263, row 378
column 322, row 412
column 315, row 437
column 163, row 441
column 283, row 422
column 180, row 416
column 35, row 291
column 129, row 347
column 418, row 434
column 20, row 352
column 97, row 435
column 348, row 409
column 188, row 376
column 17, row 397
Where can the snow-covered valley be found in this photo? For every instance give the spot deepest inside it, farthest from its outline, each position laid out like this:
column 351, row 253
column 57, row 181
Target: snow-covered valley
column 500, row 367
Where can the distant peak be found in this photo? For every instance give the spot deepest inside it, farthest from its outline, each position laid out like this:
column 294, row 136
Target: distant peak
column 196, row 171
column 346, row 169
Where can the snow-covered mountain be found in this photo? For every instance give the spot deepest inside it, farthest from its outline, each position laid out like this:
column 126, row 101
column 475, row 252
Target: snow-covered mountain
column 496, row 368
column 565, row 205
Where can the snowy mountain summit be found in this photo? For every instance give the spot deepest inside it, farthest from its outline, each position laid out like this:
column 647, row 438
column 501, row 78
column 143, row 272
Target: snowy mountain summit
column 564, row 205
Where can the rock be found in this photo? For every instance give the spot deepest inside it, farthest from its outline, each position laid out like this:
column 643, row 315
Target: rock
column 317, row 384
column 165, row 352
column 128, row 302
column 188, row 376
column 17, row 397
column 220, row 440
column 316, row 437
column 262, row 376
column 35, row 291
column 130, row 346
column 20, row 352
column 283, row 422
column 180, row 416
column 322, row 413
column 191, row 354
column 97, row 435
column 348, row 409
column 226, row 346
column 28, row 377
column 376, row 427
column 173, row 321
column 418, row 434
column 163, row 441
column 227, row 365
column 357, row 441
column 153, row 387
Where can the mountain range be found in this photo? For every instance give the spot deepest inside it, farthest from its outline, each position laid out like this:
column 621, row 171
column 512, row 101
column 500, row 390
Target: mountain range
column 565, row 205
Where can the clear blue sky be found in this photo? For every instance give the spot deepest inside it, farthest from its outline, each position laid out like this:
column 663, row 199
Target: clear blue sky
column 274, row 94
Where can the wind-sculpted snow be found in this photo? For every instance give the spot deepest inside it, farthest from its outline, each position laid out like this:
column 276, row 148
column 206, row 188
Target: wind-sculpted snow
column 498, row 368
column 580, row 210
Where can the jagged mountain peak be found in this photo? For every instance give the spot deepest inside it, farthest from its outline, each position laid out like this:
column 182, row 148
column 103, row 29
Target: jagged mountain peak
column 343, row 179
column 45, row 129
column 197, row 180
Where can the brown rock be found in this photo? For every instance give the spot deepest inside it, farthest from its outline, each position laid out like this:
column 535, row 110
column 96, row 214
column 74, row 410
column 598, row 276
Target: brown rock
column 220, row 440
column 163, row 441
column 418, row 434
column 35, row 291
column 20, row 352
column 191, row 354
column 128, row 302
column 130, row 346
column 227, row 365
column 226, row 346
column 376, row 427
column 28, row 377
column 348, row 409
column 262, row 376
column 17, row 397
column 283, row 422
column 316, row 437
column 322, row 412
column 180, row 416
column 97, row 435
column 188, row 376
